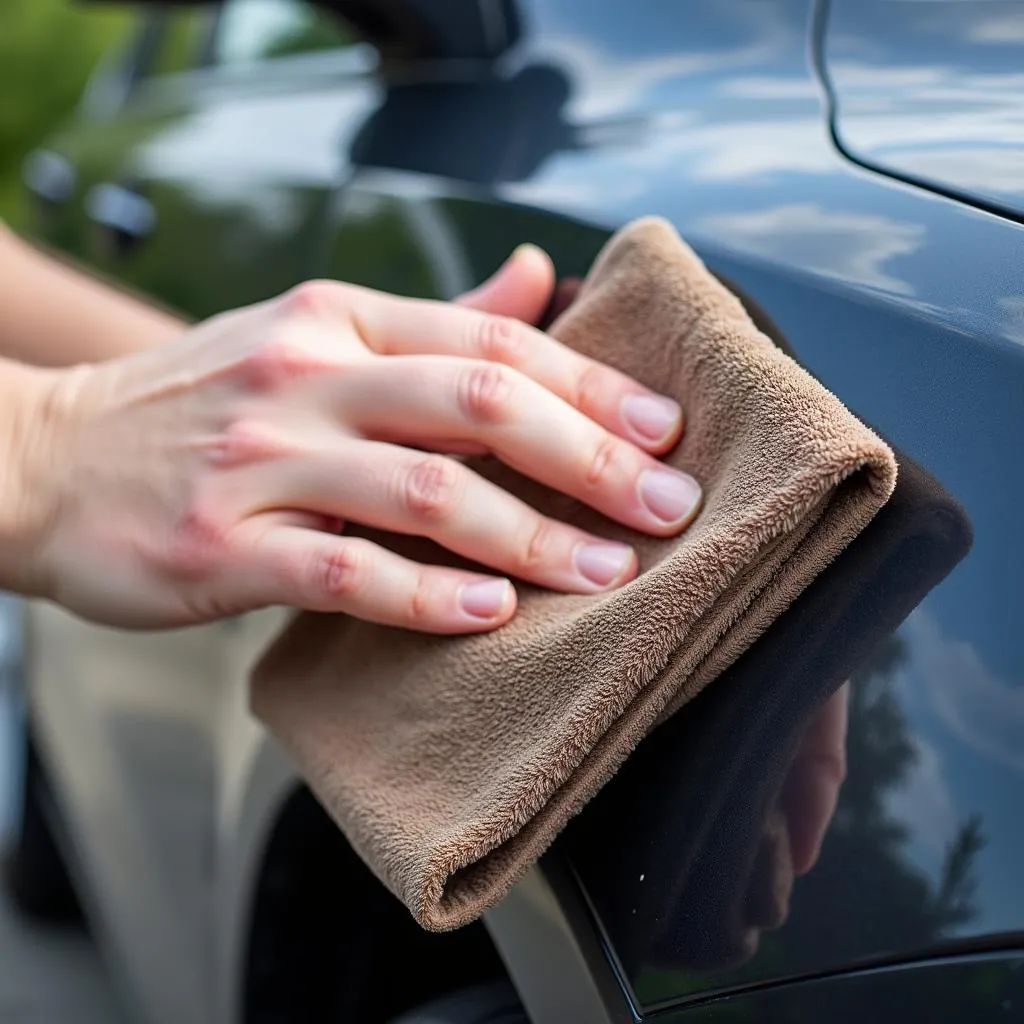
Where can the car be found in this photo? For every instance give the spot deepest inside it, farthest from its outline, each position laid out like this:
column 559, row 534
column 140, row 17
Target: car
column 853, row 169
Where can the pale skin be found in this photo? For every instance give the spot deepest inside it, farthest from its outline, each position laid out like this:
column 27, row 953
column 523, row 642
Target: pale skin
column 159, row 475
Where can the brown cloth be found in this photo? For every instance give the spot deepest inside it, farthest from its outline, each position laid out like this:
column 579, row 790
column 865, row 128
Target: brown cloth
column 452, row 763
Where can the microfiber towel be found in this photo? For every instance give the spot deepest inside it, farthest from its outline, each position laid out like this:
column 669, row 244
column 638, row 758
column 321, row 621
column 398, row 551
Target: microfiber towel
column 451, row 763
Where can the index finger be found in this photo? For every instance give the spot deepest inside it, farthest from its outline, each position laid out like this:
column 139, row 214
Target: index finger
column 391, row 325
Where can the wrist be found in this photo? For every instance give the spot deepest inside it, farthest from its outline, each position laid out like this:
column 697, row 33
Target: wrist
column 34, row 417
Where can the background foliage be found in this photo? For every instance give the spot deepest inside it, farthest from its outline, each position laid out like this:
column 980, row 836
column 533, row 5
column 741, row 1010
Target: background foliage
column 47, row 50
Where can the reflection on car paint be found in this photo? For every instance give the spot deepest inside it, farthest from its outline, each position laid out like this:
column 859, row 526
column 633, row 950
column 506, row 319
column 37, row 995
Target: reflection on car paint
column 896, row 299
column 932, row 91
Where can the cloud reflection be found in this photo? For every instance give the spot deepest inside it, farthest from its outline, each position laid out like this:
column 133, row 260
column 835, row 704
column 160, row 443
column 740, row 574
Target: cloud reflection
column 981, row 709
column 846, row 245
column 924, row 803
column 995, row 169
column 260, row 140
column 944, row 122
column 1001, row 30
column 605, row 84
column 1013, row 318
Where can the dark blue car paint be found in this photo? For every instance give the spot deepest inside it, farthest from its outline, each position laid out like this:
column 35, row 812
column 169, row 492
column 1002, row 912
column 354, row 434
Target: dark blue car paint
column 929, row 91
column 907, row 303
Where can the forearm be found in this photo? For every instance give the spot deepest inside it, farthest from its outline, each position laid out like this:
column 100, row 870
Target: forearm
column 52, row 315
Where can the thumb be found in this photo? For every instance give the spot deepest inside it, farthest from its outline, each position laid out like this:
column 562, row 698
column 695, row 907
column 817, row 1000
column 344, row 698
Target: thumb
column 521, row 287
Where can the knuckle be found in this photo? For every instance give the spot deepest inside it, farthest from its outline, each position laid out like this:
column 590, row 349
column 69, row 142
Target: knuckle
column 431, row 490
column 485, row 393
column 590, row 384
column 312, row 297
column 279, row 361
column 421, row 600
column 245, row 443
column 197, row 547
column 499, row 339
column 339, row 573
column 536, row 550
column 602, row 462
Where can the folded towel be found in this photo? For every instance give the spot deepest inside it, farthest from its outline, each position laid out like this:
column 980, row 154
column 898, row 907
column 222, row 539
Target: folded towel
column 707, row 808
column 451, row 763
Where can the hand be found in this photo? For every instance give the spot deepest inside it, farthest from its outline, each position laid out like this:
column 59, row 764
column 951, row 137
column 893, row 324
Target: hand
column 811, row 791
column 212, row 475
column 795, row 826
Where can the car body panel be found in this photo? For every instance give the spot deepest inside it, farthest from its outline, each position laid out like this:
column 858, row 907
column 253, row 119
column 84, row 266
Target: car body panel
column 856, row 271
column 905, row 303
column 929, row 91
column 982, row 989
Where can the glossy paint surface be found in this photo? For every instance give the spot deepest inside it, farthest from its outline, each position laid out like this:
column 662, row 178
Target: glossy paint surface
column 983, row 990
column 902, row 302
column 931, row 90
column 910, row 306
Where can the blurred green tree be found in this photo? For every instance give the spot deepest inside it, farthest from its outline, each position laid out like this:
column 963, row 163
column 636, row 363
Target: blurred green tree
column 47, row 50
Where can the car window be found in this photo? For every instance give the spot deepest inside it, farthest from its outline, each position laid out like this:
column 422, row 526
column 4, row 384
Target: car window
column 256, row 30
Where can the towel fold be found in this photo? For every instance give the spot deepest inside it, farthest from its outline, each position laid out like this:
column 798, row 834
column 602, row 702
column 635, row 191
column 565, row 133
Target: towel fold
column 451, row 763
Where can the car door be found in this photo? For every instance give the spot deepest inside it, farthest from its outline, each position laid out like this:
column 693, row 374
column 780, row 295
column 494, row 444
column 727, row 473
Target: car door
column 204, row 186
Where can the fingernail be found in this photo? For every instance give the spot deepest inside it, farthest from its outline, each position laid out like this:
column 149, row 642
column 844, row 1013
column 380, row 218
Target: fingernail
column 671, row 497
column 602, row 563
column 486, row 598
column 524, row 248
column 651, row 416
column 481, row 290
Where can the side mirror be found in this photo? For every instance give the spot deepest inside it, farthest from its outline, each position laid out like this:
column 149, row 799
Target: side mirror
column 517, row 124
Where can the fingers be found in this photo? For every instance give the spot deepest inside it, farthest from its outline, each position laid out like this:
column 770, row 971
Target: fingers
column 520, row 288
column 393, row 488
column 319, row 572
column 396, row 326
column 306, row 520
column 811, row 792
column 418, row 399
